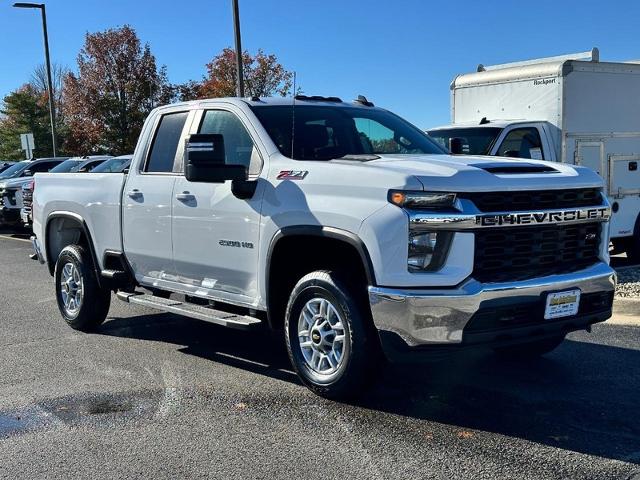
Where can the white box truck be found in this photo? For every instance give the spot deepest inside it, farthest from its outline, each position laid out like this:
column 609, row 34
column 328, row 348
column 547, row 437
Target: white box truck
column 573, row 109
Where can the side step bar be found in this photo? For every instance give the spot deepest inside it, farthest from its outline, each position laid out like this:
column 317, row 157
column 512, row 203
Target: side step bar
column 199, row 312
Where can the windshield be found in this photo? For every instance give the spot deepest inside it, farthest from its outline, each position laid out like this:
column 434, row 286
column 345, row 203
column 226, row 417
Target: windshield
column 66, row 166
column 325, row 133
column 14, row 170
column 114, row 165
column 475, row 141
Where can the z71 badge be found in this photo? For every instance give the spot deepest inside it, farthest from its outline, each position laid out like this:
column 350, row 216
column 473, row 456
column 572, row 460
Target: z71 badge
column 292, row 175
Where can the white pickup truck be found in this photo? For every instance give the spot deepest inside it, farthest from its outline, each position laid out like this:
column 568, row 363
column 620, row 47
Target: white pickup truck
column 573, row 109
column 341, row 225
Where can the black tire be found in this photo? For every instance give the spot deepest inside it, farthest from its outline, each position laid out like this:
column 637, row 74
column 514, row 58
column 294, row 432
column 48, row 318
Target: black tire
column 529, row 350
column 360, row 349
column 93, row 305
column 633, row 245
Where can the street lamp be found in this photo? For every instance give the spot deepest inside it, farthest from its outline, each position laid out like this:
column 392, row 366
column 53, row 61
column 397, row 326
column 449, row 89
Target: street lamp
column 236, row 29
column 48, row 64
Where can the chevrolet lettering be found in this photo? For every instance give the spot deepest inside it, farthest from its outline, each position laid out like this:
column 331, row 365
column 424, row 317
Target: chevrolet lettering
column 562, row 216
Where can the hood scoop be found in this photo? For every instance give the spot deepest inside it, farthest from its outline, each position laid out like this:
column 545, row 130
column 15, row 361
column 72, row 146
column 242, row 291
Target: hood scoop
column 515, row 168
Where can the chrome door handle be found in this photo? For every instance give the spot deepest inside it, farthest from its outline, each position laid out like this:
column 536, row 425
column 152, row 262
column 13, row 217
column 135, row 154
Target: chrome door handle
column 185, row 196
column 135, row 193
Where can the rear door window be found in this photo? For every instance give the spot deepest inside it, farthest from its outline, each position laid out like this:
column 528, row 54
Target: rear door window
column 42, row 167
column 522, row 143
column 165, row 143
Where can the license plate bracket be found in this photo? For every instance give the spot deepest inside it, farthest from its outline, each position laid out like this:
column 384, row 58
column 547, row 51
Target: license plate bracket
column 562, row 304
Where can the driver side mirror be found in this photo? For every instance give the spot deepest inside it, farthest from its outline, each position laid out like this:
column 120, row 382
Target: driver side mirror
column 27, row 173
column 455, row 145
column 204, row 160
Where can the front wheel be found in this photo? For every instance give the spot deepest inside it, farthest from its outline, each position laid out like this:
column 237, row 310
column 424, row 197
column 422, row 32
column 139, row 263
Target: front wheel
column 332, row 345
column 633, row 247
column 84, row 305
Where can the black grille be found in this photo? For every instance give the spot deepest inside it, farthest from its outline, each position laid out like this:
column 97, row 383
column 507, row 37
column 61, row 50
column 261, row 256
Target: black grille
column 512, row 254
column 27, row 198
column 534, row 200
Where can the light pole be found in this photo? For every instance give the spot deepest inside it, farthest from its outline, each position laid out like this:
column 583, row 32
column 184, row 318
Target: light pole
column 52, row 110
column 236, row 30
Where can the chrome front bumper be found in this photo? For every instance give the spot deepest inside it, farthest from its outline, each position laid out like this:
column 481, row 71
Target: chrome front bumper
column 439, row 316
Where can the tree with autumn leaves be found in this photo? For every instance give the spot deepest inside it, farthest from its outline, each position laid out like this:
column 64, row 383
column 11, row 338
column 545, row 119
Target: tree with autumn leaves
column 118, row 83
column 102, row 106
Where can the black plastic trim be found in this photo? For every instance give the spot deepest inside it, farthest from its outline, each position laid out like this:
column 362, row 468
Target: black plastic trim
column 318, row 231
column 396, row 349
column 76, row 218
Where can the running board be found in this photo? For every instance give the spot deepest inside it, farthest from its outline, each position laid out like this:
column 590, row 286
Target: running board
column 199, row 312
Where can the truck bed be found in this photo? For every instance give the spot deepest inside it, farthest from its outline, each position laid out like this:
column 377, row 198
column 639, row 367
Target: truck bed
column 95, row 197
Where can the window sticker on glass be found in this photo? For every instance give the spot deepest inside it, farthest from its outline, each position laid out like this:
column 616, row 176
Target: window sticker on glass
column 535, row 153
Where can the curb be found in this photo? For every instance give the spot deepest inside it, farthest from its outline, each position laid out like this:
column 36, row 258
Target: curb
column 626, row 311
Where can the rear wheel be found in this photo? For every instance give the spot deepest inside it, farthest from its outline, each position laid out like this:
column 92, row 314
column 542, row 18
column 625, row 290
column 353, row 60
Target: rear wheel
column 633, row 248
column 84, row 305
column 529, row 350
column 332, row 346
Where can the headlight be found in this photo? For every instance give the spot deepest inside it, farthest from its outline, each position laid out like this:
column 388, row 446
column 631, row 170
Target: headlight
column 441, row 201
column 428, row 250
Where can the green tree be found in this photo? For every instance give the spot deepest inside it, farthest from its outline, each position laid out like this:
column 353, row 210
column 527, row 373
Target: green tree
column 24, row 110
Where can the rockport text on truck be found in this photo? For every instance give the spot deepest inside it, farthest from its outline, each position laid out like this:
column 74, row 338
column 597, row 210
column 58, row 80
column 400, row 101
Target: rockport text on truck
column 339, row 224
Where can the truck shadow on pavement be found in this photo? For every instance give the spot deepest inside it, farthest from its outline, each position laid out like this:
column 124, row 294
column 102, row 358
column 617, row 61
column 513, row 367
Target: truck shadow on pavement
column 583, row 397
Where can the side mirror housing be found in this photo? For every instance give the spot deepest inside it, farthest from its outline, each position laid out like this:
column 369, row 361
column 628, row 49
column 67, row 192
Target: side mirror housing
column 455, row 145
column 512, row 154
column 27, row 173
column 204, row 160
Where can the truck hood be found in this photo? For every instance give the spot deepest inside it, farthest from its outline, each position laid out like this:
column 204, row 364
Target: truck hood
column 459, row 173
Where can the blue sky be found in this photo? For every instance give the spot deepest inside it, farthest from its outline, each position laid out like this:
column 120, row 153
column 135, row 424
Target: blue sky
column 401, row 54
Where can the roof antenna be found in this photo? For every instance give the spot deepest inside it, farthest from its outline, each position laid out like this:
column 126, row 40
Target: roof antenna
column 293, row 115
column 484, row 121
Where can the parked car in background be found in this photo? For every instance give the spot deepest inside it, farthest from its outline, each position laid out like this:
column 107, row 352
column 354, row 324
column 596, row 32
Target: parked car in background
column 340, row 225
column 80, row 164
column 27, row 201
column 5, row 165
column 11, row 182
column 72, row 165
column 562, row 109
column 114, row 165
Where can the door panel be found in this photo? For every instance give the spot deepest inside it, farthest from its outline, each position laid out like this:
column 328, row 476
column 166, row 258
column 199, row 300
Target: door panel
column 591, row 154
column 215, row 234
column 215, row 239
column 147, row 215
column 147, row 225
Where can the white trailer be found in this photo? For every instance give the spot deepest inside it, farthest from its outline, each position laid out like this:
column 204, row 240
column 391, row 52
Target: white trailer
column 573, row 109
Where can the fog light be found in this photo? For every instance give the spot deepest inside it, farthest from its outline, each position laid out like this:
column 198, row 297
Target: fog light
column 428, row 250
column 422, row 246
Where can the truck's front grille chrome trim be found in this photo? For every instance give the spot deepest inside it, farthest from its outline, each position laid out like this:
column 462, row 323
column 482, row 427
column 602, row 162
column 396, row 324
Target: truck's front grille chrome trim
column 421, row 220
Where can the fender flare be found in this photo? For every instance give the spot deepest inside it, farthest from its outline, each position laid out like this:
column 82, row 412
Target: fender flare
column 326, row 232
column 317, row 231
column 51, row 263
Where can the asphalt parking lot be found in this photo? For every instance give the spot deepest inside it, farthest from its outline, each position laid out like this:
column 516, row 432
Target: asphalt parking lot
column 156, row 395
